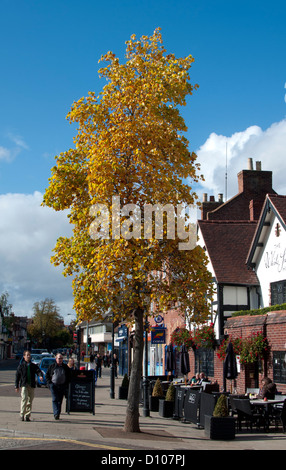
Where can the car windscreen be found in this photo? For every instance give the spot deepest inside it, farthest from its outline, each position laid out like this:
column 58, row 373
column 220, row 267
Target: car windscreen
column 47, row 362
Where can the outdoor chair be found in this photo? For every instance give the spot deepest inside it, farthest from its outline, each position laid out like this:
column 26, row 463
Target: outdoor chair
column 247, row 414
column 277, row 414
column 232, row 408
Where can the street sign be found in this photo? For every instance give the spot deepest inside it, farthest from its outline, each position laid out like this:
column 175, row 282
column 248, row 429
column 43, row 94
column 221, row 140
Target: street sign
column 158, row 335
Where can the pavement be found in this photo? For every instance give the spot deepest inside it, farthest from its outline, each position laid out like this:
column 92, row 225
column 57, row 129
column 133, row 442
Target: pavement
column 104, row 429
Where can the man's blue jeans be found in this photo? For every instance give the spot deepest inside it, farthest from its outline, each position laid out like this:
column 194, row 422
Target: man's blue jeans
column 58, row 393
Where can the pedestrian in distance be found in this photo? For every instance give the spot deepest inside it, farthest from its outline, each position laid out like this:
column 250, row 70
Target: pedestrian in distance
column 26, row 379
column 98, row 362
column 115, row 364
column 92, row 364
column 71, row 363
column 58, row 378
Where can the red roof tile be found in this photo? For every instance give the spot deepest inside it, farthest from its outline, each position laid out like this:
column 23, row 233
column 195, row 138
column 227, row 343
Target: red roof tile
column 227, row 243
column 279, row 202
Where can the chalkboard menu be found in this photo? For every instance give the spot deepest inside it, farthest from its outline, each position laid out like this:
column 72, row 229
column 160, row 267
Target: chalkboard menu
column 81, row 394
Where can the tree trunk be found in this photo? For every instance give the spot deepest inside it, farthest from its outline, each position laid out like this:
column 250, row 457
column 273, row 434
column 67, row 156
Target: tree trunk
column 132, row 412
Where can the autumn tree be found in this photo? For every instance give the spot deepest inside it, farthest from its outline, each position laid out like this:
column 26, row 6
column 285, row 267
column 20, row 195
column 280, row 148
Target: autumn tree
column 130, row 165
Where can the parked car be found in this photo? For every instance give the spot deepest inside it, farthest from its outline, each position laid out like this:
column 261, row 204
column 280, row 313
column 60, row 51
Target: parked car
column 39, row 351
column 44, row 365
column 36, row 358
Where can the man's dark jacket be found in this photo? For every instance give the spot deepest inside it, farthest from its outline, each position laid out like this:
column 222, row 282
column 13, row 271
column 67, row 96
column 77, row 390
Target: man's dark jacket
column 50, row 372
column 21, row 374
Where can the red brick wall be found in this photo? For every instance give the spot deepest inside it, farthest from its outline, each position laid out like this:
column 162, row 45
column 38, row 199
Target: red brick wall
column 273, row 325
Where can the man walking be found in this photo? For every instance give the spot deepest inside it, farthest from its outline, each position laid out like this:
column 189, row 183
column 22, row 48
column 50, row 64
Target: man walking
column 58, row 377
column 25, row 378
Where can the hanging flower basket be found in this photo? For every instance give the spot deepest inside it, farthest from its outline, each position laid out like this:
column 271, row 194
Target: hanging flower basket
column 236, row 343
column 249, row 350
column 204, row 336
column 182, row 336
column 254, row 348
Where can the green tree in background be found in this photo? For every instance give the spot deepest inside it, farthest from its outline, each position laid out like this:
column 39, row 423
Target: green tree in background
column 46, row 323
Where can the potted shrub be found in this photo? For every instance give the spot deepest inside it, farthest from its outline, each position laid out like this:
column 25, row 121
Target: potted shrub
column 220, row 425
column 157, row 393
column 166, row 406
column 123, row 389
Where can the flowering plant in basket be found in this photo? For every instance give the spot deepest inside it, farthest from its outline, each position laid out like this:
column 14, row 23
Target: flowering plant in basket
column 204, row 336
column 249, row 349
column 254, row 347
column 182, row 336
column 236, row 343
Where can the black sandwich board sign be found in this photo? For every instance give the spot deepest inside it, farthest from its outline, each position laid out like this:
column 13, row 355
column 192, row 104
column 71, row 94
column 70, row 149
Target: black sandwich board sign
column 81, row 393
column 192, row 405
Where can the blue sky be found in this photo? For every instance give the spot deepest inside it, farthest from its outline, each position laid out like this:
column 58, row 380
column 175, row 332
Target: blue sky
column 49, row 58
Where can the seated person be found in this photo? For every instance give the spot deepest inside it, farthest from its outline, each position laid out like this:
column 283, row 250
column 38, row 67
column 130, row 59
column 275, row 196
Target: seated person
column 203, row 378
column 195, row 379
column 268, row 389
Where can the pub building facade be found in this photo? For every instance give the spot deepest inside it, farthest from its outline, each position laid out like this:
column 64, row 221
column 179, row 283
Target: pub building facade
column 245, row 241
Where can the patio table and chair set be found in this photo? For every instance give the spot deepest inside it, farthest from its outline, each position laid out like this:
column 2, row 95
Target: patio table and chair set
column 261, row 413
column 192, row 404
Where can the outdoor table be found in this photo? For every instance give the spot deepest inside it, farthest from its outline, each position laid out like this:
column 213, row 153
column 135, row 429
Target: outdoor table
column 265, row 405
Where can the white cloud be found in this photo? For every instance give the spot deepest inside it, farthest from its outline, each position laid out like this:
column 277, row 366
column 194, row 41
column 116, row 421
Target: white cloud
column 18, row 140
column 268, row 146
column 8, row 154
column 5, row 154
column 28, row 233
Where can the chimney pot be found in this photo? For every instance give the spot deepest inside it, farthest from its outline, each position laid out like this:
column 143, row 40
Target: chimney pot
column 250, row 164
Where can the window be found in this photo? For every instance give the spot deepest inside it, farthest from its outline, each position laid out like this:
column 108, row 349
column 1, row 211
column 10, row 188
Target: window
column 279, row 367
column 205, row 361
column 278, row 292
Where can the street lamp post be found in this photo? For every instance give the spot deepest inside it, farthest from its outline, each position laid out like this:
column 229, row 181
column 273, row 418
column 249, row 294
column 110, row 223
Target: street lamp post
column 146, row 409
column 112, row 370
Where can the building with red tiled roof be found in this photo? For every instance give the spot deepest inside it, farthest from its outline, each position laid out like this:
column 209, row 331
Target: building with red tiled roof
column 226, row 232
column 245, row 240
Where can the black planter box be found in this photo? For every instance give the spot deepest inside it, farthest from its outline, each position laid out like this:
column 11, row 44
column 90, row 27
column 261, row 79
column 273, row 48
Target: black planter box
column 220, row 428
column 154, row 403
column 166, row 408
column 123, row 393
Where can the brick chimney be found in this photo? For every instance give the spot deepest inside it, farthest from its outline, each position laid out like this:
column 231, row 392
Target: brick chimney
column 255, row 182
column 253, row 186
column 211, row 205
